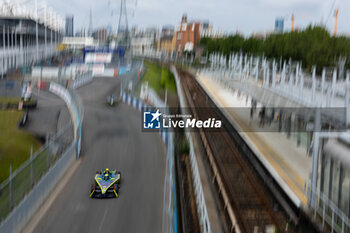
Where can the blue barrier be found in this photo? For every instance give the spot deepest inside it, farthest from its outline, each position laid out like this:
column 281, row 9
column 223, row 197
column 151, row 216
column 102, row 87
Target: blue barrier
column 168, row 141
column 9, row 85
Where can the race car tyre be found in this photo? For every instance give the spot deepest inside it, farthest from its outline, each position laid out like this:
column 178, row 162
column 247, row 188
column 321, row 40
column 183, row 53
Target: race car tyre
column 92, row 189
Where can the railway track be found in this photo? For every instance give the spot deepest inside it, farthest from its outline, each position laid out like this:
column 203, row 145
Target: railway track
column 248, row 202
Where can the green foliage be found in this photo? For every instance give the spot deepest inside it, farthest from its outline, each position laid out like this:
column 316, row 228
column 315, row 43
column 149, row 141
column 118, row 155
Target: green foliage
column 15, row 144
column 159, row 78
column 312, row 46
column 184, row 146
column 14, row 100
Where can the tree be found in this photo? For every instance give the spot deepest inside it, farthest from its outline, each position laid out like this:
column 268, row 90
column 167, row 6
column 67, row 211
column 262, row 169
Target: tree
column 312, row 46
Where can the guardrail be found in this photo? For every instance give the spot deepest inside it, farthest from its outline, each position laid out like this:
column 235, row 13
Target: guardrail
column 28, row 187
column 79, row 114
column 321, row 206
column 128, row 83
column 75, row 108
column 82, row 79
column 200, row 200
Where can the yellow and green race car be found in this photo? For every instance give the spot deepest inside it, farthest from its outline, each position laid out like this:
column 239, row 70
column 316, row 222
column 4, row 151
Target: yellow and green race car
column 106, row 184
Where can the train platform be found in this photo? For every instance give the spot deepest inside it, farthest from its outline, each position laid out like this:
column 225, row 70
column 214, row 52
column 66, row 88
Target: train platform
column 288, row 163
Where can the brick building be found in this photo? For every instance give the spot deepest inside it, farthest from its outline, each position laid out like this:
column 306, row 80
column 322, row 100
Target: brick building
column 187, row 35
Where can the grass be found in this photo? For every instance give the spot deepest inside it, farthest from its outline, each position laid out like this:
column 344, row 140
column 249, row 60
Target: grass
column 15, row 101
column 9, row 100
column 15, row 147
column 159, row 78
column 15, row 143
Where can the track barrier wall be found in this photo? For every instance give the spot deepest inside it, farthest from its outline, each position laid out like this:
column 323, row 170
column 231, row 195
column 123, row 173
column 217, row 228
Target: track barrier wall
column 200, row 200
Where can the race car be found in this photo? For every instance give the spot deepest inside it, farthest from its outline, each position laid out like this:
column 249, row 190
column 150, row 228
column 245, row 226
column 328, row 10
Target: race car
column 112, row 100
column 106, row 184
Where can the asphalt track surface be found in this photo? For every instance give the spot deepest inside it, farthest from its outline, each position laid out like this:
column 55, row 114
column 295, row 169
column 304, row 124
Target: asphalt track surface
column 50, row 115
column 112, row 138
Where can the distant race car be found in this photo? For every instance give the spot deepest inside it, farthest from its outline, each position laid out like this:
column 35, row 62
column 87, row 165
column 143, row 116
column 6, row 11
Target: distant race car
column 112, row 100
column 26, row 93
column 106, row 184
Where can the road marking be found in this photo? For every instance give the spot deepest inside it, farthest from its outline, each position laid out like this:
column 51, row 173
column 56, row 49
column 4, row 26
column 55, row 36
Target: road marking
column 103, row 219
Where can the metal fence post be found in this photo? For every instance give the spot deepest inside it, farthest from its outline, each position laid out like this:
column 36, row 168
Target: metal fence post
column 283, row 77
column 323, row 84
column 314, row 199
column 274, row 70
column 297, row 74
column 332, row 220
column 11, row 187
column 334, row 82
column 264, row 73
column 47, row 158
column 301, row 87
column 315, row 155
column 313, row 95
column 267, row 81
column 31, row 167
column 347, row 100
column 47, row 153
column 323, row 213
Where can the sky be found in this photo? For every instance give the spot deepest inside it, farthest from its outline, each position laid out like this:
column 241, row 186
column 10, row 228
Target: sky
column 245, row 16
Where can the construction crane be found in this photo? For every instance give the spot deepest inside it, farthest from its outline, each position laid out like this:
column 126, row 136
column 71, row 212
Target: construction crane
column 336, row 21
column 291, row 18
column 335, row 14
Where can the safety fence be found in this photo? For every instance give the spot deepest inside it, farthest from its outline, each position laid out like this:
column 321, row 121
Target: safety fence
column 198, row 189
column 75, row 107
column 74, row 103
column 132, row 80
column 75, row 75
column 21, row 181
column 14, row 57
column 325, row 209
column 142, row 106
column 29, row 185
column 82, row 79
column 256, row 75
column 148, row 53
column 266, row 80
